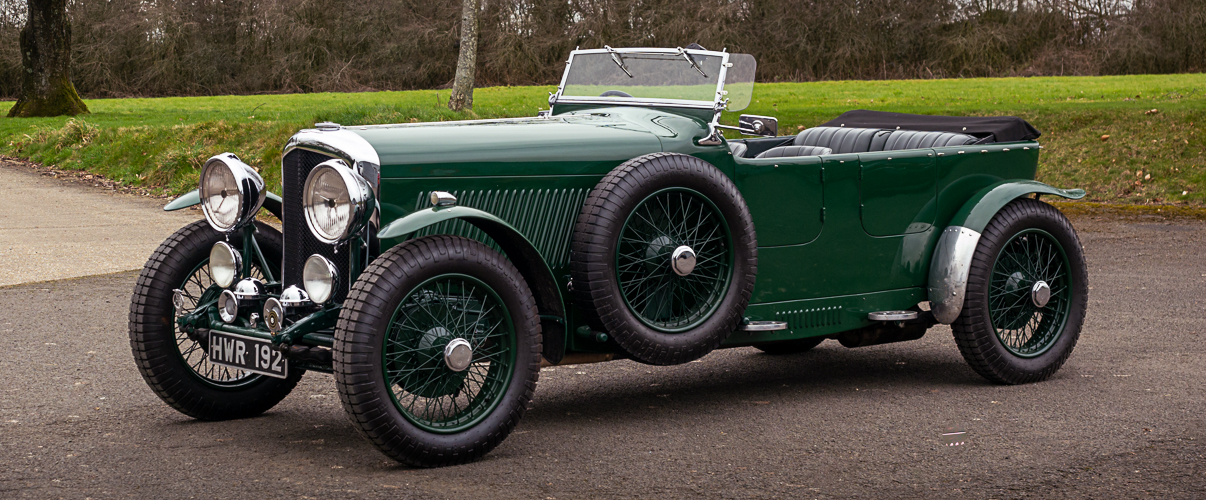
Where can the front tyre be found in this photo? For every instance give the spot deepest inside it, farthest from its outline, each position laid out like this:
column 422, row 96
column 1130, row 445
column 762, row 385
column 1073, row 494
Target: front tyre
column 437, row 351
column 1026, row 295
column 176, row 365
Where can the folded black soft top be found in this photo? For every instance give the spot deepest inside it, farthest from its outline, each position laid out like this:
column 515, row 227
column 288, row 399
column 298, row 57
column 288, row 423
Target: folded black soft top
column 1001, row 128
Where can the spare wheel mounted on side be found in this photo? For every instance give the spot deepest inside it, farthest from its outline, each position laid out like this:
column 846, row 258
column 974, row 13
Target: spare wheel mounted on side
column 664, row 257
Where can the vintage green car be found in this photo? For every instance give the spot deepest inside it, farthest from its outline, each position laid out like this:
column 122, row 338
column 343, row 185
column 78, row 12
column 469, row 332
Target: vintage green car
column 434, row 267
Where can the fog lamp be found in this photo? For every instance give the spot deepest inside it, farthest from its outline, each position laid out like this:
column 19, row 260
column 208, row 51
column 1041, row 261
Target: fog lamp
column 224, row 264
column 318, row 276
column 228, row 306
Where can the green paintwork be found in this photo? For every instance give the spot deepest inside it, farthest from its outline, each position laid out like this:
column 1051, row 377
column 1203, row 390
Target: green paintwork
column 897, row 192
column 838, row 236
column 272, row 202
column 423, row 218
column 823, row 316
column 830, row 230
column 979, row 210
column 184, row 201
column 787, row 210
column 490, row 229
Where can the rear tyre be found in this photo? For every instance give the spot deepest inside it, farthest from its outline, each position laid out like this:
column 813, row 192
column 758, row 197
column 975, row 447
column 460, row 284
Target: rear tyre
column 437, row 351
column 790, row 346
column 625, row 262
column 177, row 366
column 1027, row 292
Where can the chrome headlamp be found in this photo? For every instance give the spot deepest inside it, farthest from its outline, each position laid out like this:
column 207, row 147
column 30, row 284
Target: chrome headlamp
column 338, row 202
column 231, row 192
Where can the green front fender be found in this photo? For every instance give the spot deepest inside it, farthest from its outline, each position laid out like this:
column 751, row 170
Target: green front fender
column 951, row 263
column 982, row 206
column 272, row 203
column 518, row 249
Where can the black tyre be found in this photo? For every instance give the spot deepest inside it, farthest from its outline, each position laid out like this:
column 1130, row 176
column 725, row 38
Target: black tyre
column 1026, row 295
column 634, row 224
column 176, row 366
column 795, row 346
column 396, row 360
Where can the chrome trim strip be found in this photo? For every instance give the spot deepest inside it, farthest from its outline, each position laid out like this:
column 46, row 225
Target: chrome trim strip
column 628, row 101
column 356, row 152
column 949, row 269
column 343, row 143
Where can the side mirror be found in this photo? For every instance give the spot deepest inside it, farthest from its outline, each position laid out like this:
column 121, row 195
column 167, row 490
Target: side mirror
column 759, row 125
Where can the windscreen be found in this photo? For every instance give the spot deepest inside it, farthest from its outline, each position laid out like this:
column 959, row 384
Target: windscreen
column 643, row 75
column 660, row 76
column 739, row 81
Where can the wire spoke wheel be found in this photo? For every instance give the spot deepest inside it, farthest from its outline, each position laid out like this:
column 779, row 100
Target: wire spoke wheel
column 199, row 288
column 662, row 223
column 1027, row 292
column 175, row 365
column 1025, row 325
column 429, row 392
column 663, row 257
column 437, row 350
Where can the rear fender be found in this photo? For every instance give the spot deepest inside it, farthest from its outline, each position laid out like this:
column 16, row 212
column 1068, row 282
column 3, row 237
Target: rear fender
column 272, row 203
column 952, row 258
column 518, row 249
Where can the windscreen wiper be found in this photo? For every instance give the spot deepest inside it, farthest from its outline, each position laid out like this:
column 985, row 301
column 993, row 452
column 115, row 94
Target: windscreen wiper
column 683, row 52
column 615, row 56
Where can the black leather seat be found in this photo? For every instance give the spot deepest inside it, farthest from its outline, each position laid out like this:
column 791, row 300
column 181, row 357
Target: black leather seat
column 843, row 140
column 785, row 151
column 912, row 139
column 738, row 149
column 840, row 140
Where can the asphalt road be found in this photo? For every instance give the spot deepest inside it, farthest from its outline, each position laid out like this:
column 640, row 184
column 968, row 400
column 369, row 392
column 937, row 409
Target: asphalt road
column 1123, row 419
column 53, row 229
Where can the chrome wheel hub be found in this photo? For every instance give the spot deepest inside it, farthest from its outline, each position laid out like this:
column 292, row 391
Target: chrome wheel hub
column 682, row 261
column 458, row 354
column 1040, row 294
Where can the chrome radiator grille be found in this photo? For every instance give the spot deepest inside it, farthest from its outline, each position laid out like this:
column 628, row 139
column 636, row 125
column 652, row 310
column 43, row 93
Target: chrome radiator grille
column 300, row 244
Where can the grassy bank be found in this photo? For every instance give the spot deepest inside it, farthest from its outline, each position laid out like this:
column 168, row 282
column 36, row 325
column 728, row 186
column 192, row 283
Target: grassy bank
column 1155, row 151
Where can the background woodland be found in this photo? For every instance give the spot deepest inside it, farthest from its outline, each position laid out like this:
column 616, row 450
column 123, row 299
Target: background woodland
column 128, row 48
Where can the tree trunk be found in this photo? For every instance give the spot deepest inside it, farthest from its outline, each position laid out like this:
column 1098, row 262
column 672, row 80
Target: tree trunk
column 46, row 88
column 462, row 86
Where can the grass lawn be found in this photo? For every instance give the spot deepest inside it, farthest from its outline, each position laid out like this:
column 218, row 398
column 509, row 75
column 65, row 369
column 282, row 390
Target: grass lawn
column 1155, row 151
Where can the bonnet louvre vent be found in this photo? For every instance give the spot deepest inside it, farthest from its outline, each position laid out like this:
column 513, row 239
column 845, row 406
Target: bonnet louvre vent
column 545, row 216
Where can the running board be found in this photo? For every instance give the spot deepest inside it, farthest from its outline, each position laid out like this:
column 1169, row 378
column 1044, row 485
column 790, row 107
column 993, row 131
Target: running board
column 764, row 326
column 892, row 316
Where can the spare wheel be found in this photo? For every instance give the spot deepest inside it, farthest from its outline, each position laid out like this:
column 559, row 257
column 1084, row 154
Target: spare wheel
column 664, row 257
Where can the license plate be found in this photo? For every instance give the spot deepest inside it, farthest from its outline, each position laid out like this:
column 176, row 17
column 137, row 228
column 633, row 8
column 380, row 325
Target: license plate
column 246, row 353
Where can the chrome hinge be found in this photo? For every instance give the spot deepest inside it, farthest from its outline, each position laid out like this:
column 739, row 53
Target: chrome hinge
column 822, row 214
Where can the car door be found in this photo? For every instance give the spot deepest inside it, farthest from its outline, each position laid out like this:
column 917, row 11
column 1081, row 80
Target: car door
column 785, row 198
column 897, row 191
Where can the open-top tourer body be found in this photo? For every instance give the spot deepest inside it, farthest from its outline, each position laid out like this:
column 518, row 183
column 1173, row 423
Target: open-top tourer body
column 433, row 267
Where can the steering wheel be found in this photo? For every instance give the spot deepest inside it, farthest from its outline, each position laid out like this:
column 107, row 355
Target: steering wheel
column 615, row 93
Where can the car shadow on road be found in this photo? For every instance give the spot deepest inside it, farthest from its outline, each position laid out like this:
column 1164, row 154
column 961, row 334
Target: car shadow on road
column 739, row 376
column 626, row 393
